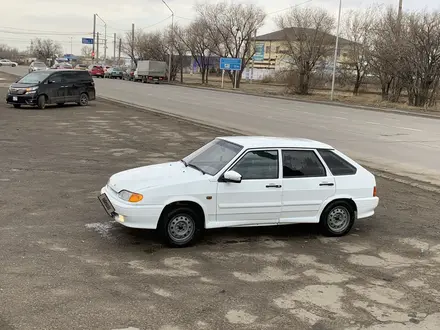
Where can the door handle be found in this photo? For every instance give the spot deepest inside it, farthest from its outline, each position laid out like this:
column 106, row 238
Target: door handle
column 273, row 185
column 327, row 184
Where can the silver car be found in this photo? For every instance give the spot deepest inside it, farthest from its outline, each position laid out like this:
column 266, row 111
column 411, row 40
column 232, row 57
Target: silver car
column 5, row 62
column 37, row 66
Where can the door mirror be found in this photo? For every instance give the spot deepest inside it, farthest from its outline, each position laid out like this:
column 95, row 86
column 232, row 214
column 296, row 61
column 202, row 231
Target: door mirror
column 232, row 176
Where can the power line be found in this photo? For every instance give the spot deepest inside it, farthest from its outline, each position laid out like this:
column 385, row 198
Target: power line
column 150, row 26
column 291, row 7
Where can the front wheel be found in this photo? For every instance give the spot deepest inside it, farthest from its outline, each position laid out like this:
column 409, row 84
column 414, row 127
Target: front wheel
column 337, row 219
column 41, row 103
column 180, row 227
column 83, row 99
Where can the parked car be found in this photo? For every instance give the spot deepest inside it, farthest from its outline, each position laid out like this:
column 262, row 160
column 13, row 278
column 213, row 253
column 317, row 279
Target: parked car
column 129, row 74
column 37, row 66
column 52, row 86
column 114, row 73
column 81, row 67
column 96, row 71
column 62, row 66
column 243, row 181
column 5, row 62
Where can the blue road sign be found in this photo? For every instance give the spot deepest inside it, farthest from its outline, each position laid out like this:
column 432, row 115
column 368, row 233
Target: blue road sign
column 259, row 52
column 87, row 41
column 230, row 63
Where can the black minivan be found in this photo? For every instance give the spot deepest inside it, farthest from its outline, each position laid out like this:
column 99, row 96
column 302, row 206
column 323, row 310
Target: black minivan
column 40, row 88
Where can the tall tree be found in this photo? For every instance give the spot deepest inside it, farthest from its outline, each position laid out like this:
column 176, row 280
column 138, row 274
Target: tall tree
column 307, row 42
column 230, row 28
column 46, row 48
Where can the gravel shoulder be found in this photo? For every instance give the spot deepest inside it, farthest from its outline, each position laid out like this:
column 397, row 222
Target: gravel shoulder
column 65, row 265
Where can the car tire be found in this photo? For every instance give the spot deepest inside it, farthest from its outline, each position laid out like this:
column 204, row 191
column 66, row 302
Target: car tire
column 83, row 100
column 180, row 227
column 13, row 65
column 17, row 106
column 1, row 64
column 41, row 102
column 337, row 219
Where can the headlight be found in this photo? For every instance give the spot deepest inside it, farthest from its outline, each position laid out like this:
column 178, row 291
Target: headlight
column 129, row 196
column 31, row 89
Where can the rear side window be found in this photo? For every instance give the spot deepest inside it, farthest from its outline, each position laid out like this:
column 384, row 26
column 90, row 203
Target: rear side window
column 336, row 164
column 302, row 163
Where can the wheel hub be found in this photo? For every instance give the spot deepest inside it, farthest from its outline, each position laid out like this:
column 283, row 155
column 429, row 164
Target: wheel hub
column 181, row 228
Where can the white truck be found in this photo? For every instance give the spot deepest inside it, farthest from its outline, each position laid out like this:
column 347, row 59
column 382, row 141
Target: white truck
column 151, row 71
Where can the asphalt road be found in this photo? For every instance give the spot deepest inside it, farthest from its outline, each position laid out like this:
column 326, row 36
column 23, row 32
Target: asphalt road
column 65, row 265
column 400, row 144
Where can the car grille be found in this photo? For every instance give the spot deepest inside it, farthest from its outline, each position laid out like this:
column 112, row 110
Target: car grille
column 17, row 91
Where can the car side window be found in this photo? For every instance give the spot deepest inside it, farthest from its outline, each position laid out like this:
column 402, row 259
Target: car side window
column 258, row 165
column 56, row 78
column 70, row 76
column 302, row 163
column 337, row 165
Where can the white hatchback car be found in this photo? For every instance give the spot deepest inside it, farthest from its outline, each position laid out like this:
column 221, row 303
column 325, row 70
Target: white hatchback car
column 243, row 181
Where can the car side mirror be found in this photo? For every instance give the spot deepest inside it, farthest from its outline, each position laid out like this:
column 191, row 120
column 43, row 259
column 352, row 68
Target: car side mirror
column 232, row 176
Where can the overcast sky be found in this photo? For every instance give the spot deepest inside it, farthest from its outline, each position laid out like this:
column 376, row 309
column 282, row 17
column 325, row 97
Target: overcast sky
column 64, row 21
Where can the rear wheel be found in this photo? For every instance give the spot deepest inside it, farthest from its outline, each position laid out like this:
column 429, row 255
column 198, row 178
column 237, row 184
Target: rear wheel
column 41, row 103
column 83, row 99
column 337, row 219
column 180, row 227
column 16, row 106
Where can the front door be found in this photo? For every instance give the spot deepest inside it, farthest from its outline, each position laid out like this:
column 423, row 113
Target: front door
column 55, row 88
column 73, row 85
column 256, row 200
column 306, row 186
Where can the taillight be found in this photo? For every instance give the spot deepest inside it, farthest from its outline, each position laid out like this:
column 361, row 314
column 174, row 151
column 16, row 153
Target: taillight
column 374, row 191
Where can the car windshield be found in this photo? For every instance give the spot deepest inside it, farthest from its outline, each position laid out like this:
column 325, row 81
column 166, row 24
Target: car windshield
column 214, row 156
column 34, row 77
column 40, row 65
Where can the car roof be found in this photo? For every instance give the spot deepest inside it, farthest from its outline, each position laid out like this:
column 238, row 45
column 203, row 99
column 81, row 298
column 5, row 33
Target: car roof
column 64, row 70
column 275, row 142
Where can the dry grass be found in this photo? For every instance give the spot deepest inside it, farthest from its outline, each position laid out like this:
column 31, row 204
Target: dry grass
column 274, row 89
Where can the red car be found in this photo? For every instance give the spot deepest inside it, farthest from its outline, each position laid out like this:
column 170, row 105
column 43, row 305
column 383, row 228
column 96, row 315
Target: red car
column 96, row 71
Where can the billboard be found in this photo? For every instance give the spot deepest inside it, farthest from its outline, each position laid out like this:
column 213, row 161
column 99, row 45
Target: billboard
column 259, row 52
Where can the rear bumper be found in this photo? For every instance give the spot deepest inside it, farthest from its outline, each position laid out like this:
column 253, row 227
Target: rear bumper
column 25, row 99
column 366, row 206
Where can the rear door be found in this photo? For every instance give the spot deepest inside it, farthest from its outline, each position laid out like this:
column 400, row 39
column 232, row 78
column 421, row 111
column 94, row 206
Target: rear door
column 74, row 85
column 307, row 184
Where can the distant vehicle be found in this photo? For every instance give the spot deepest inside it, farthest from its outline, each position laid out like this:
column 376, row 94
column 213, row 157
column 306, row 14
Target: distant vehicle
column 62, row 66
column 114, row 73
column 151, row 71
column 96, row 71
column 243, row 181
column 53, row 86
column 81, row 67
column 37, row 66
column 129, row 74
column 5, row 62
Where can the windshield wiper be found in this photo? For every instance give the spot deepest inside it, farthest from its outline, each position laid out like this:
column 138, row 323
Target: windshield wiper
column 196, row 167
column 184, row 163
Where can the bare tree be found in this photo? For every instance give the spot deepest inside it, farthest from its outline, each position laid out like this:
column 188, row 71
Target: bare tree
column 130, row 48
column 198, row 44
column 86, row 51
column 422, row 58
column 230, row 28
column 8, row 52
column 46, row 48
column 308, row 42
column 358, row 31
column 173, row 36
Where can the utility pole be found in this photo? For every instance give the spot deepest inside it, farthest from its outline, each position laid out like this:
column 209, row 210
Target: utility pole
column 71, row 38
column 336, row 52
column 255, row 47
column 97, row 46
column 399, row 14
column 172, row 41
column 105, row 37
column 94, row 36
column 119, row 55
column 114, row 47
column 132, row 46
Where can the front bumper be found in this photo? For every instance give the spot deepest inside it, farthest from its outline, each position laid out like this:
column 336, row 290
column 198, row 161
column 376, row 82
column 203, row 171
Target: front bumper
column 23, row 99
column 133, row 215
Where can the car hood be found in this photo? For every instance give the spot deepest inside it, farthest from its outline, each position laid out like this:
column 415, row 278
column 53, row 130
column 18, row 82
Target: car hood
column 145, row 177
column 18, row 85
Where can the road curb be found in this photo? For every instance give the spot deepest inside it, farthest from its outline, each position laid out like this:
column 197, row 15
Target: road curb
column 424, row 185
column 337, row 104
